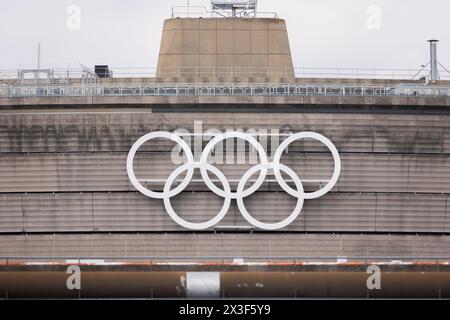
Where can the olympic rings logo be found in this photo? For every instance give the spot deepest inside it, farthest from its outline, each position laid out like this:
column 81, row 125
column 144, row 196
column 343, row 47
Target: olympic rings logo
column 242, row 192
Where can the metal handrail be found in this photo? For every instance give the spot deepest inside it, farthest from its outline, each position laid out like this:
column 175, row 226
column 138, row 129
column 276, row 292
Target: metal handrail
column 203, row 12
column 216, row 72
column 197, row 89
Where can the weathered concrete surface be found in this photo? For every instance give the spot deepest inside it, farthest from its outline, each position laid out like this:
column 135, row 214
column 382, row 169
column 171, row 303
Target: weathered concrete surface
column 132, row 212
column 382, row 173
column 199, row 101
column 117, row 130
column 225, row 50
column 395, row 175
column 225, row 245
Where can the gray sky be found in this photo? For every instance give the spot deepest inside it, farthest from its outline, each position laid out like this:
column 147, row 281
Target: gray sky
column 323, row 33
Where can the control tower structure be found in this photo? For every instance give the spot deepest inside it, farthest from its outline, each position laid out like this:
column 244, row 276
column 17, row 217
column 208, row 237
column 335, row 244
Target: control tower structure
column 233, row 44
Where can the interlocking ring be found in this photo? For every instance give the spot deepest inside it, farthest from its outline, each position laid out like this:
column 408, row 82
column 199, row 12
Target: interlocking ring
column 176, row 217
column 226, row 193
column 292, row 216
column 210, row 147
column 313, row 136
column 130, row 164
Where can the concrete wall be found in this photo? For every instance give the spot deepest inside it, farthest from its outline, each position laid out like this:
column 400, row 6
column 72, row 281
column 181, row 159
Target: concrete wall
column 231, row 50
column 95, row 131
column 225, row 245
column 89, row 212
column 220, row 103
column 65, row 172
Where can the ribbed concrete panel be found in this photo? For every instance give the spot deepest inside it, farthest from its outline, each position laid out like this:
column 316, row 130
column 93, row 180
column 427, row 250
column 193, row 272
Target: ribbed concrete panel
column 75, row 132
column 341, row 212
column 414, row 213
column 377, row 173
column 28, row 173
column 19, row 133
column 107, row 172
column 447, row 215
column 133, row 212
column 229, row 245
column 155, row 166
column 115, row 212
column 11, row 213
column 429, row 174
column 269, row 207
column 128, row 212
column 58, row 212
column 28, row 245
column 410, row 134
column 118, row 131
column 92, row 172
column 347, row 134
column 201, row 122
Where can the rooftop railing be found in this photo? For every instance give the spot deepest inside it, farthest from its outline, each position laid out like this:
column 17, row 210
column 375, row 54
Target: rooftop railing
column 140, row 89
column 204, row 12
column 233, row 72
column 219, row 82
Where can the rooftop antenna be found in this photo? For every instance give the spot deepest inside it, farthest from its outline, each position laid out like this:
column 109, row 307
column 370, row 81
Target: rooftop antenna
column 434, row 71
column 39, row 56
column 235, row 8
column 434, row 63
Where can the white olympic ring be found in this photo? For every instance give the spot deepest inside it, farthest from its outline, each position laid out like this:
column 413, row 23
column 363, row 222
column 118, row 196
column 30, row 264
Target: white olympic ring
column 213, row 221
column 292, row 216
column 229, row 135
column 313, row 136
column 132, row 154
column 241, row 192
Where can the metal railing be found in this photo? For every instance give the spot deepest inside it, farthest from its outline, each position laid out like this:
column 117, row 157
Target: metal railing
column 367, row 73
column 217, row 73
column 204, row 12
column 140, row 89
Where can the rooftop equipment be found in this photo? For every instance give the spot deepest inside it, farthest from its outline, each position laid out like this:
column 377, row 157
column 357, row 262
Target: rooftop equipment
column 102, row 71
column 235, row 8
column 434, row 64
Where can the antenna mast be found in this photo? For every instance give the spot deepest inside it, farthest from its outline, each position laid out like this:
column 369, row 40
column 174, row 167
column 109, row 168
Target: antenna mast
column 39, row 56
column 434, row 70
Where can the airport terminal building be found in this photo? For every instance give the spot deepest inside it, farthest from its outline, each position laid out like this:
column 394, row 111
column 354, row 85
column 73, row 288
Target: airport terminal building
column 316, row 178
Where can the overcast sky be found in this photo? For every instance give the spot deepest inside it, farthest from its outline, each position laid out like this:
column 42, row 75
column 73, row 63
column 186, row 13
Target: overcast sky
column 127, row 33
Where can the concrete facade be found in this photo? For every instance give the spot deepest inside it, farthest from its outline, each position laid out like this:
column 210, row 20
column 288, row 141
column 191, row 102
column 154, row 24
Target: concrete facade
column 221, row 103
column 357, row 246
column 64, row 171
